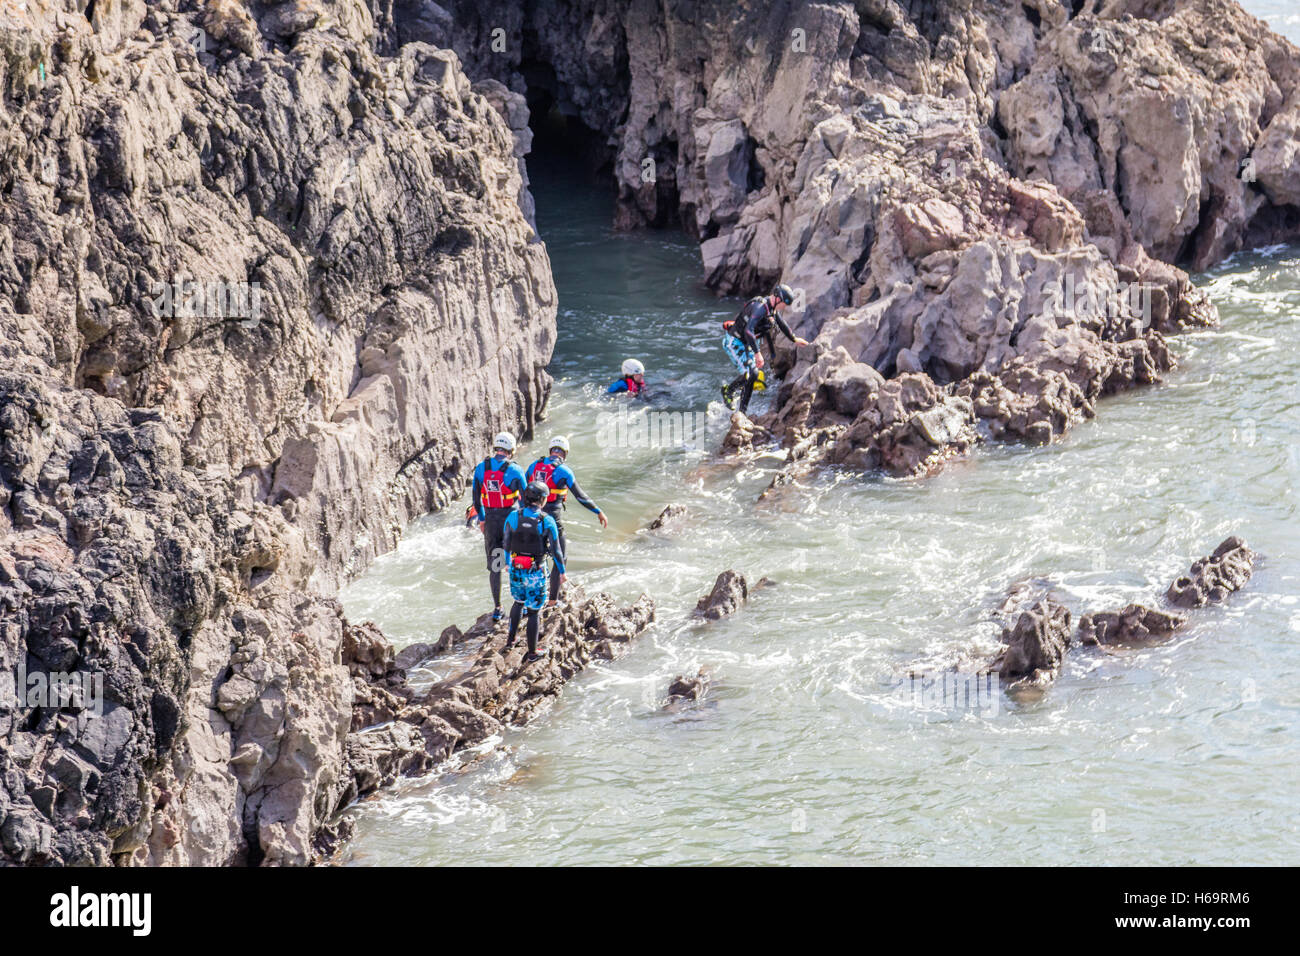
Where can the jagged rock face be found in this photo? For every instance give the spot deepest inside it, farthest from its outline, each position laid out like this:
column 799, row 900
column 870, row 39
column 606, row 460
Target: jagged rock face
column 1187, row 113
column 935, row 179
column 497, row 688
column 186, row 478
column 758, row 116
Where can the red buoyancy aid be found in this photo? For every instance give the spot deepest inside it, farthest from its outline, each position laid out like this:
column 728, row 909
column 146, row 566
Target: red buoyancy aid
column 543, row 471
column 633, row 385
column 495, row 493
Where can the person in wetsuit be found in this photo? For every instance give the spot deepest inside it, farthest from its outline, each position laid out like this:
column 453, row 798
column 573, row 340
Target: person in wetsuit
column 529, row 535
column 560, row 480
column 743, row 336
column 497, row 484
column 632, row 382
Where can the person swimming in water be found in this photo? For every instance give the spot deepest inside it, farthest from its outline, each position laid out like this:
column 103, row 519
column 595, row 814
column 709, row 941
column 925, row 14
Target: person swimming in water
column 632, row 382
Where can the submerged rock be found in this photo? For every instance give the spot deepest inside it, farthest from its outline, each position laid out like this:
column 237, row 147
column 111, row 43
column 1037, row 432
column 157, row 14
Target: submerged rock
column 1132, row 624
column 1211, row 579
column 728, row 594
column 672, row 519
column 684, row 688
column 1037, row 643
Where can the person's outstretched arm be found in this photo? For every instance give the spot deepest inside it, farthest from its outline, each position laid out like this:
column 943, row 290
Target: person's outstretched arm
column 619, row 386
column 747, row 336
column 785, row 330
column 571, row 480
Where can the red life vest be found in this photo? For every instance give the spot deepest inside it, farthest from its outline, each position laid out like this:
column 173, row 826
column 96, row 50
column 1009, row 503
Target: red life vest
column 495, row 493
column 542, row 471
column 633, row 385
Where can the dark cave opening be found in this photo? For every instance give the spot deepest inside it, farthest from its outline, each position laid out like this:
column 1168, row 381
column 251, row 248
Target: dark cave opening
column 562, row 142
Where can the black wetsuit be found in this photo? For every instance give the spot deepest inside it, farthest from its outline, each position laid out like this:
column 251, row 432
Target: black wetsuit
column 754, row 324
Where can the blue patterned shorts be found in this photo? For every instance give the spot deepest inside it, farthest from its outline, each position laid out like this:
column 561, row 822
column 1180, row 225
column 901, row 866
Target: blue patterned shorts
column 529, row 585
column 740, row 356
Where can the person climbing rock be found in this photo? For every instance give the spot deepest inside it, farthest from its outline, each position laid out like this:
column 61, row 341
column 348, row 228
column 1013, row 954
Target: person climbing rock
column 632, row 382
column 743, row 336
column 497, row 484
column 529, row 536
column 560, row 480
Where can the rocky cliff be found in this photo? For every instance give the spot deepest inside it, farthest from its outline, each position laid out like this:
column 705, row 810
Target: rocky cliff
column 998, row 197
column 264, row 293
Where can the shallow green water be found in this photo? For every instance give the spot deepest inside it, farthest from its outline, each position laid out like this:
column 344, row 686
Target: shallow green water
column 808, row 747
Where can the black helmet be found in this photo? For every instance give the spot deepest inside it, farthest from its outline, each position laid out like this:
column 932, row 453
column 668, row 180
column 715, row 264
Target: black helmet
column 784, row 293
column 535, row 493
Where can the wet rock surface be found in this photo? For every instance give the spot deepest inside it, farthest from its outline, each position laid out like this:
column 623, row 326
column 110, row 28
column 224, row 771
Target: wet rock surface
column 397, row 731
column 743, row 435
column 414, row 655
column 261, row 296
column 1211, row 579
column 688, row 688
column 1036, row 643
column 729, row 592
column 1040, row 637
column 1132, row 624
column 672, row 520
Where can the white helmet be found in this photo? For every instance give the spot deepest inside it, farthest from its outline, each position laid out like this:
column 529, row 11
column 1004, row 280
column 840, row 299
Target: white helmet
column 560, row 442
column 504, row 440
column 633, row 367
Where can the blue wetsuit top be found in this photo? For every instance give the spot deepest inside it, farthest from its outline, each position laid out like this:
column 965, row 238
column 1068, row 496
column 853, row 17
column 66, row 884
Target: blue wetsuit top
column 550, row 534
column 626, row 384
